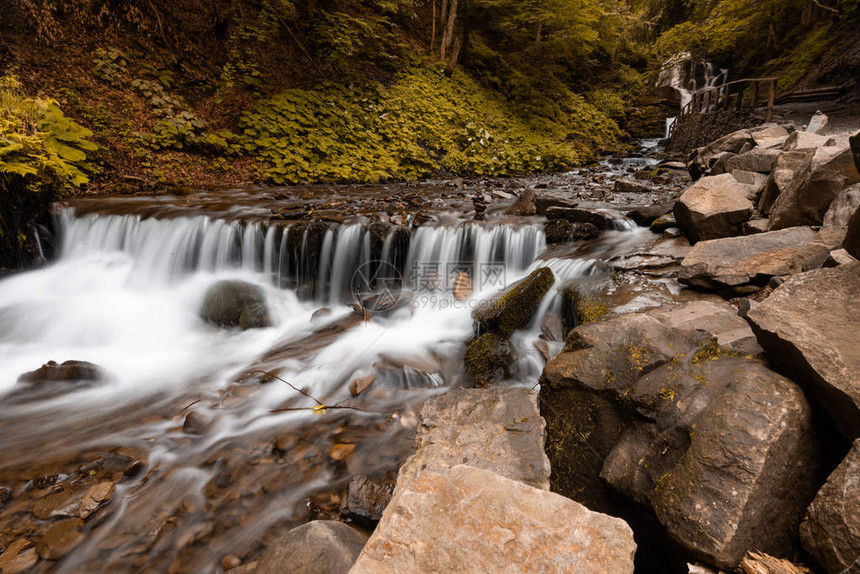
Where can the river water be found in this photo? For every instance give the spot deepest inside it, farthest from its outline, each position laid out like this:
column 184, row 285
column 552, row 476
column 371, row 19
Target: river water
column 205, row 458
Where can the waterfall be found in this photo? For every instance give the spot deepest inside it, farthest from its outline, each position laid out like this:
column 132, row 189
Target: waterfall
column 682, row 75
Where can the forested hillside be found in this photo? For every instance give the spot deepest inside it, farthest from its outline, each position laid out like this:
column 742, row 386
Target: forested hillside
column 278, row 91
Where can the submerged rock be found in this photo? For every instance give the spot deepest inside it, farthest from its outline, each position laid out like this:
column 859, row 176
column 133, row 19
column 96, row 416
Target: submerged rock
column 831, row 529
column 714, row 207
column 319, row 546
column 235, row 304
column 685, row 427
column 451, row 522
column 365, row 501
column 68, row 371
column 808, row 327
column 579, row 215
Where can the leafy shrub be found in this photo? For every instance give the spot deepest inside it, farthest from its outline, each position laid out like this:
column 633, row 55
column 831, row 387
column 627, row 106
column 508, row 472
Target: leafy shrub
column 39, row 144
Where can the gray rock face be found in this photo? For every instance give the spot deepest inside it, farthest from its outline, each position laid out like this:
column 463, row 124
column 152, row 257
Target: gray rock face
column 831, row 530
column 235, row 304
column 852, row 237
column 472, row 520
column 843, row 207
column 685, row 427
column 756, row 160
column 818, row 124
column 802, row 140
column 737, row 262
column 715, row 317
column 832, row 170
column 790, row 170
column 712, row 208
column 318, row 546
column 808, row 327
column 500, row 430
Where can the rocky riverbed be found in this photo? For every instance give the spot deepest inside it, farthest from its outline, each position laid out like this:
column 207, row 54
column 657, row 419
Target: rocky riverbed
column 232, row 364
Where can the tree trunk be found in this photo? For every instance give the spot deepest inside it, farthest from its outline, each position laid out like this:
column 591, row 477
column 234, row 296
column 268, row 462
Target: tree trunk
column 448, row 35
column 433, row 34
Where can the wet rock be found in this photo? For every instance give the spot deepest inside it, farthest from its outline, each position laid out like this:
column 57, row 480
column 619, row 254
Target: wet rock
column 790, row 170
column 18, row 557
column 813, row 337
column 818, row 124
column 629, row 186
column 543, row 348
column 852, row 237
column 69, row 371
column 524, row 204
column 365, row 501
column 361, row 384
column 514, row 308
column 74, row 500
column 714, row 207
column 341, row 451
column 558, row 231
column 645, row 216
column 663, row 223
column 318, row 546
column 489, row 358
column 230, row 561
column 320, row 313
column 831, row 530
column 685, row 427
column 450, row 521
column 500, row 430
column 843, row 207
column 196, row 423
column 544, row 201
column 832, row 170
column 756, row 160
column 552, row 327
column 579, row 215
column 737, row 262
column 61, row 539
column 235, row 304
column 584, row 231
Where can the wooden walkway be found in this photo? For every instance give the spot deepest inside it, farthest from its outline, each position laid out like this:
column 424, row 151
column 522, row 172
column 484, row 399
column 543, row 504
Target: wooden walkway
column 732, row 95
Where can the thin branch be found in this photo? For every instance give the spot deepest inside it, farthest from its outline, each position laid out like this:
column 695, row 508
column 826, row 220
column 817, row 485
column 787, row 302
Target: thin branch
column 823, row 7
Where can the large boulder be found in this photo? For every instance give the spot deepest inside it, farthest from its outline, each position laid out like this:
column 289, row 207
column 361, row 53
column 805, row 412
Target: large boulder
column 831, row 530
column 790, row 170
column 318, row 546
column 808, row 327
column 235, row 304
column 803, row 140
column 752, row 182
column 685, row 427
column 489, row 359
column 756, row 160
column 514, row 308
column 500, row 430
column 713, row 207
column 736, row 263
column 852, row 237
column 701, row 160
column 832, row 170
column 524, row 204
column 472, row 520
column 843, row 207
column 715, row 317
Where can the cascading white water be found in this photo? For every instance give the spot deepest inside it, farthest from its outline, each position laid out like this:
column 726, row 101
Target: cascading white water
column 685, row 76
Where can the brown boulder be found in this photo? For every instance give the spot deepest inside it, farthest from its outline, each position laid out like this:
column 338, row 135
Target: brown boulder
column 712, row 208
column 472, row 520
column 790, row 170
column 524, row 205
column 808, row 327
column 843, row 207
column 756, row 160
column 831, row 530
column 318, row 546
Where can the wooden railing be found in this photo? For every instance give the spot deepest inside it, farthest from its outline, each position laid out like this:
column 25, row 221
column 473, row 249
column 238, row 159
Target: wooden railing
column 731, row 96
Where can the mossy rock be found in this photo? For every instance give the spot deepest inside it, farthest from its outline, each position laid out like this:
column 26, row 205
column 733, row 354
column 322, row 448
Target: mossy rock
column 580, row 306
column 513, row 309
column 235, row 304
column 489, row 358
column 558, row 230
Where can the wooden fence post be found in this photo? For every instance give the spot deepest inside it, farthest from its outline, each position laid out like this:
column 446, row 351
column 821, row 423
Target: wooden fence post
column 771, row 96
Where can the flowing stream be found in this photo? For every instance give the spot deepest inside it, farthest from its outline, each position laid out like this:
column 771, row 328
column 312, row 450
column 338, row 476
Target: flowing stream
column 125, row 292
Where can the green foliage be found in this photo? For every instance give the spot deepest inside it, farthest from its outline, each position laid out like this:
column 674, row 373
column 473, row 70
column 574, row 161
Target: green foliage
column 39, row 143
column 794, row 65
column 418, row 126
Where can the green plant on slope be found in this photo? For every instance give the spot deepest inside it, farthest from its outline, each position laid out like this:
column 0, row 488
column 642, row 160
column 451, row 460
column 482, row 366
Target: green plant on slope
column 39, row 143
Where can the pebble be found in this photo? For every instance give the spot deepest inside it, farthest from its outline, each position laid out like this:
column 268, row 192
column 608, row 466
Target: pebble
column 60, row 539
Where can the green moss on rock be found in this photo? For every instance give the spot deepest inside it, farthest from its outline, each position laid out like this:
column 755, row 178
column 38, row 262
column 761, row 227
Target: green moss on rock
column 513, row 309
column 489, row 358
